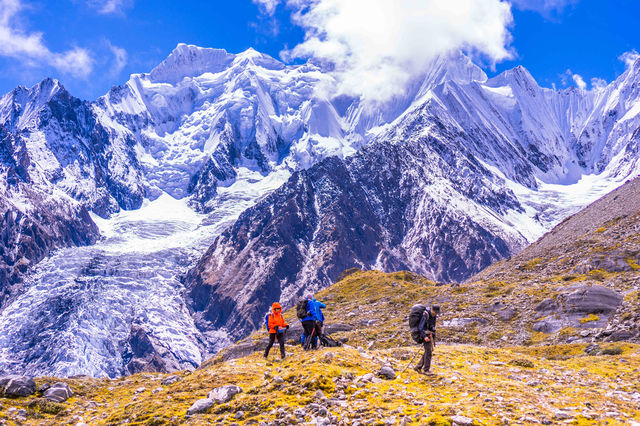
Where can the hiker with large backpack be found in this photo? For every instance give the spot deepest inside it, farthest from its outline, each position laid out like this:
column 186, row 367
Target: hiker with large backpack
column 422, row 323
column 312, row 322
column 277, row 326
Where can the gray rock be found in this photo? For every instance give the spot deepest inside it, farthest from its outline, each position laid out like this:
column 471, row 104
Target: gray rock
column 201, row 406
column 170, row 380
column 619, row 335
column 15, row 386
column 562, row 415
column 574, row 303
column 387, row 372
column 58, row 392
column 592, row 349
column 464, row 322
column 461, row 421
column 506, row 314
column 43, row 387
column 224, row 394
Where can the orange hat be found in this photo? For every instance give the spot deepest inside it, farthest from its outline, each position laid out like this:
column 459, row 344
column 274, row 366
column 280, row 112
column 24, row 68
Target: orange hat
column 276, row 305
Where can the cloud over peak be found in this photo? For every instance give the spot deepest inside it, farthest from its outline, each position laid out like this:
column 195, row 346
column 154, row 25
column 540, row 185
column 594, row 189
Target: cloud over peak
column 375, row 47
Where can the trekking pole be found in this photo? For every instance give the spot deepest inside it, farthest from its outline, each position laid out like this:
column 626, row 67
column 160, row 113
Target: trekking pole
column 307, row 342
column 409, row 363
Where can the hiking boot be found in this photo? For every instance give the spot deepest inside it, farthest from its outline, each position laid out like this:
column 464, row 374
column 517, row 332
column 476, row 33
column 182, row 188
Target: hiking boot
column 418, row 370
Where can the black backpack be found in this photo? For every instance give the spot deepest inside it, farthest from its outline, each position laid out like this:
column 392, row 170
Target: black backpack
column 301, row 309
column 328, row 341
column 414, row 321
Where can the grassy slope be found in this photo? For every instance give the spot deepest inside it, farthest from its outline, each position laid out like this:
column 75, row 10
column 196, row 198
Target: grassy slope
column 487, row 384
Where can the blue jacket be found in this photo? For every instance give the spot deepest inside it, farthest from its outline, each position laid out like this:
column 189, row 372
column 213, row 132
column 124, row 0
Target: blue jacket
column 315, row 314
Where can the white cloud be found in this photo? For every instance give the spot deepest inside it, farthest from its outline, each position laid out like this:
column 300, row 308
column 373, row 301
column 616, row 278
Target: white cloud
column 30, row 48
column 267, row 7
column 579, row 81
column 120, row 59
column 543, row 6
column 107, row 7
column 375, row 47
column 629, row 58
column 598, row 83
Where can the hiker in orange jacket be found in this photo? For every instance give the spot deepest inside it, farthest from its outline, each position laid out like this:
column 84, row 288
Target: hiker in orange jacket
column 277, row 326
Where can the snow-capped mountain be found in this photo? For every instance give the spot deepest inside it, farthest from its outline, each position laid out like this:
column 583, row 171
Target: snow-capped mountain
column 452, row 174
column 470, row 173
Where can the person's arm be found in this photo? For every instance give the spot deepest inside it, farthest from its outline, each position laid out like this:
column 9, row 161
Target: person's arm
column 271, row 325
column 322, row 305
column 423, row 322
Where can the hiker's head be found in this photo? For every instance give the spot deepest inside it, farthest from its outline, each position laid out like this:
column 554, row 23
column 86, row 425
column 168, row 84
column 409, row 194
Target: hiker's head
column 309, row 296
column 276, row 307
column 435, row 309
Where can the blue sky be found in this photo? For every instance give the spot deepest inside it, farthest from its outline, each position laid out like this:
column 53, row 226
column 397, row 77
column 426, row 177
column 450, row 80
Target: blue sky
column 91, row 45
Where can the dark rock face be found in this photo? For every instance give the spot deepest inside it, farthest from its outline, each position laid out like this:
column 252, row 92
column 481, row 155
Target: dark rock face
column 145, row 354
column 384, row 208
column 45, row 200
column 26, row 238
column 16, row 386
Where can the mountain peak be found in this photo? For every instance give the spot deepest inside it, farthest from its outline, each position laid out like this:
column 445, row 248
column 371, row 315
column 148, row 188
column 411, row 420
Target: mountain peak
column 188, row 60
column 519, row 76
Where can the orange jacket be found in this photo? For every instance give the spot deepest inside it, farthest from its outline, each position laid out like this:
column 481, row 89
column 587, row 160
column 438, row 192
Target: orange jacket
column 276, row 319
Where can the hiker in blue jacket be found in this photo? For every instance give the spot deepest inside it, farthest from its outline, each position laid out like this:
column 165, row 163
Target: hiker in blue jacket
column 313, row 322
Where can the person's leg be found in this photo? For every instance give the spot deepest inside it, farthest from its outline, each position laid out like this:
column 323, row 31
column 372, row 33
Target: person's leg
column 272, row 338
column 308, row 331
column 428, row 352
column 418, row 367
column 318, row 330
column 281, row 342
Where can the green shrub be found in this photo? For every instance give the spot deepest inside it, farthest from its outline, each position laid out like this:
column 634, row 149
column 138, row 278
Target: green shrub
column 611, row 351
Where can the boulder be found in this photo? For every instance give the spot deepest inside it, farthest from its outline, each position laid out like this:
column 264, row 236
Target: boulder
column 170, row 380
column 15, row 386
column 574, row 303
column 224, row 394
column 387, row 372
column 200, row 406
column 506, row 314
column 43, row 387
column 58, row 392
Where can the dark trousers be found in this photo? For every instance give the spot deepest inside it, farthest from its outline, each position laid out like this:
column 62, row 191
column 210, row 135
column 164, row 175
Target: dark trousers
column 425, row 361
column 312, row 330
column 272, row 339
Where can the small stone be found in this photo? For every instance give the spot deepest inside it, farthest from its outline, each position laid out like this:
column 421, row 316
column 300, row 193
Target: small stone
column 157, row 390
column 278, row 380
column 561, row 415
column 239, row 415
column 365, row 378
column 141, row 389
column 200, row 406
column 461, row 421
column 319, row 394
